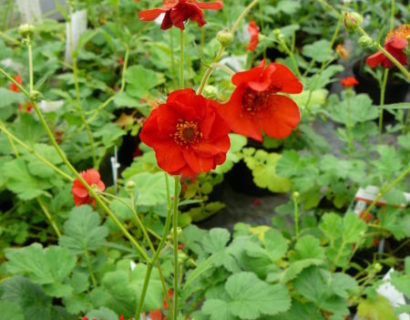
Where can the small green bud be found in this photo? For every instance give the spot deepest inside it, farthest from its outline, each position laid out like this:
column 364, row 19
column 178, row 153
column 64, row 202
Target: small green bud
column 296, row 195
column 225, row 38
column 130, row 185
column 378, row 267
column 181, row 257
column 35, row 96
column 366, row 42
column 210, row 91
column 352, row 20
column 278, row 35
column 26, row 30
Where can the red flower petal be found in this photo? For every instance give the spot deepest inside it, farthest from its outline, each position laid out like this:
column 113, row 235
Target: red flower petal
column 150, row 14
column 281, row 118
column 250, row 75
column 216, row 5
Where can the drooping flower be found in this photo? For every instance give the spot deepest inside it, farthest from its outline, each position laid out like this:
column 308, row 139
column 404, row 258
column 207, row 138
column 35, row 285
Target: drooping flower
column 396, row 43
column 257, row 104
column 187, row 134
column 170, row 294
column 176, row 12
column 254, row 32
column 349, row 82
column 13, row 86
column 80, row 192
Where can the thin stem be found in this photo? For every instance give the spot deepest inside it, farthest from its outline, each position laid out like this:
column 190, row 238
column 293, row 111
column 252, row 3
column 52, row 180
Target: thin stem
column 382, row 97
column 181, row 61
column 49, row 217
column 292, row 57
column 156, row 254
column 122, row 88
column 175, row 240
column 77, row 91
column 385, row 191
column 221, row 50
column 11, row 79
column 296, row 214
column 90, row 190
column 243, row 14
column 30, row 62
column 33, row 152
column 349, row 125
column 90, row 268
column 173, row 64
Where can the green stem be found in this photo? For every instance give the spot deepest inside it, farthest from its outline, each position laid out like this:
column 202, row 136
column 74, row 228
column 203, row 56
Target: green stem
column 175, row 240
column 292, row 57
column 173, row 64
column 338, row 255
column 181, row 61
column 296, row 213
column 77, row 91
column 157, row 254
column 33, row 152
column 49, row 217
column 110, row 99
column 385, row 191
column 349, row 125
column 221, row 50
column 382, row 97
column 90, row 268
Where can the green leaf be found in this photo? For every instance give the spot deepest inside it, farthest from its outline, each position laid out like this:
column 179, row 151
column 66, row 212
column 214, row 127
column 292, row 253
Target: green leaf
column 37, row 167
column 319, row 51
column 43, row 266
column 10, row 98
column 30, row 297
column 251, row 297
column 263, row 166
column 378, row 308
column 308, row 247
column 216, row 240
column 21, row 182
column 10, row 311
column 248, row 297
column 82, row 231
column 150, row 189
column 275, row 244
column 102, row 313
column 138, row 88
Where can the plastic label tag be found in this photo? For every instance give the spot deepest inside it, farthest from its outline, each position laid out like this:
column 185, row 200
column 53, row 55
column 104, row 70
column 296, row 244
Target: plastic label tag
column 78, row 27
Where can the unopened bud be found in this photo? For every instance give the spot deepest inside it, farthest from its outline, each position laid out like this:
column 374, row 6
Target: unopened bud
column 225, row 38
column 35, row 96
column 352, row 20
column 26, row 30
column 130, row 185
column 296, row 195
column 366, row 42
column 278, row 35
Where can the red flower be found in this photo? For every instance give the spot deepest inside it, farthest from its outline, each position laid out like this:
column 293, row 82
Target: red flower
column 349, row 82
column 181, row 246
column 179, row 11
column 155, row 314
column 187, row 134
column 254, row 32
column 395, row 44
column 256, row 105
column 12, row 86
column 80, row 192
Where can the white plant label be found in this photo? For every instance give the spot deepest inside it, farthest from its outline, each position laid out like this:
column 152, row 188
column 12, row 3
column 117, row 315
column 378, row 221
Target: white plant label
column 78, row 27
column 30, row 10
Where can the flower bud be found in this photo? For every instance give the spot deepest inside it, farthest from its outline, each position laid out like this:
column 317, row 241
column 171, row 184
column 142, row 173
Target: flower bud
column 296, row 195
column 26, row 30
column 35, row 96
column 278, row 35
column 352, row 20
column 225, row 38
column 130, row 185
column 366, row 42
column 210, row 91
column 378, row 267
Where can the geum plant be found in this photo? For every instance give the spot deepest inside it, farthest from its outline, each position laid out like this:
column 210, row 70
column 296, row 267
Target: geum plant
column 262, row 273
column 189, row 134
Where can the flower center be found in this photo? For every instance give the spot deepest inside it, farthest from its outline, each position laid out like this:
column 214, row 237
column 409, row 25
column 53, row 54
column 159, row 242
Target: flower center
column 253, row 101
column 187, row 133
